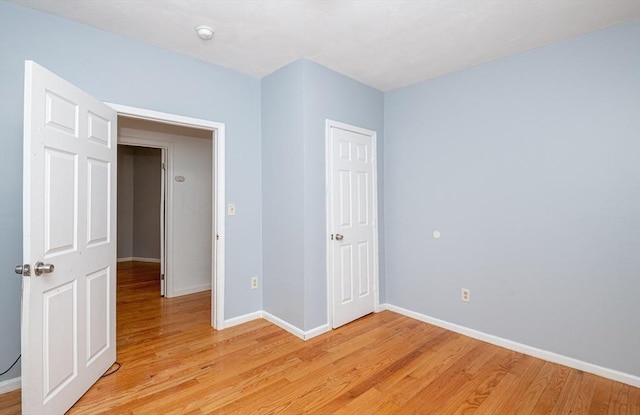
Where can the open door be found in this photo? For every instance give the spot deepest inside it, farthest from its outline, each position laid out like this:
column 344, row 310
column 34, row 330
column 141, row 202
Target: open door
column 69, row 275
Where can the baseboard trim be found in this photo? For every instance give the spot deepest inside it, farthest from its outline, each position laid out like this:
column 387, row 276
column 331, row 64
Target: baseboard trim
column 138, row 259
column 190, row 290
column 618, row 376
column 10, row 385
column 285, row 325
column 309, row 334
column 382, row 307
column 245, row 318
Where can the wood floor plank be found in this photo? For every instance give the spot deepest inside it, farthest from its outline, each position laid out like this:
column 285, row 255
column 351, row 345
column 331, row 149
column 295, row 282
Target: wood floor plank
column 582, row 401
column 399, row 378
column 532, row 395
column 10, row 402
column 173, row 362
column 366, row 404
column 601, row 397
column 501, row 391
column 527, row 371
column 634, row 401
column 618, row 403
column 552, row 391
column 427, row 371
column 484, row 383
column 397, row 355
column 432, row 396
column 568, row 394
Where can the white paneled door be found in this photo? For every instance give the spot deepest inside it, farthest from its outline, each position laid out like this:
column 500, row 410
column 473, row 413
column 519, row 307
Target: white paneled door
column 352, row 219
column 68, row 296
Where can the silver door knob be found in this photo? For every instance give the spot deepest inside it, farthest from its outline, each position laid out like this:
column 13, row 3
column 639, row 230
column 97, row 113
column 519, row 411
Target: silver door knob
column 23, row 270
column 339, row 237
column 41, row 268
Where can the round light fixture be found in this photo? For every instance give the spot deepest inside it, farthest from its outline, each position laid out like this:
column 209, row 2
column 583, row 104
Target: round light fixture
column 204, row 32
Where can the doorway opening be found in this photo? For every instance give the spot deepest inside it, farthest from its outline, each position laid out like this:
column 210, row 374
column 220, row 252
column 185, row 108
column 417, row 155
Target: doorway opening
column 194, row 198
column 141, row 207
column 184, row 215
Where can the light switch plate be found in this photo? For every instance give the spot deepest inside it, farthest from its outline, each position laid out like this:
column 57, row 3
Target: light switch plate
column 231, row 209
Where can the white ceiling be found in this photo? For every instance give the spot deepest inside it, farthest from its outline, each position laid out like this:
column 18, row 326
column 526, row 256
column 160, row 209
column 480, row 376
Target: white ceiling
column 383, row 43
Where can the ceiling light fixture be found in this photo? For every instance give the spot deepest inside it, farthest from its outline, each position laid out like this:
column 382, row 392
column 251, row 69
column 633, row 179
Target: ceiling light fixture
column 204, row 32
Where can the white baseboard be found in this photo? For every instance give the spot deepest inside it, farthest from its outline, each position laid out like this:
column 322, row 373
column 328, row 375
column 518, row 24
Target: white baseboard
column 382, row 307
column 10, row 385
column 189, row 290
column 285, row 325
column 241, row 319
column 309, row 334
column 627, row 378
column 139, row 259
column 304, row 335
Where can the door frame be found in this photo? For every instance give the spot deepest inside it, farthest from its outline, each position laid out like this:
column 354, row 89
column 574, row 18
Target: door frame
column 164, row 206
column 218, row 191
column 329, row 217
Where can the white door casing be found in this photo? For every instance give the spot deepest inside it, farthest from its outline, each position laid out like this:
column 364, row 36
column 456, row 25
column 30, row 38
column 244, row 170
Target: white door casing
column 68, row 315
column 352, row 222
column 218, row 209
column 163, row 223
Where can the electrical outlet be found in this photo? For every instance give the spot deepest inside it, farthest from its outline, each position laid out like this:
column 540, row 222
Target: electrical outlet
column 465, row 295
column 254, row 283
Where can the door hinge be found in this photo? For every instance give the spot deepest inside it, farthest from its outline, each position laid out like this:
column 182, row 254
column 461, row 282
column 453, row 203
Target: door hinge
column 217, row 237
column 332, row 237
column 161, row 277
column 164, row 166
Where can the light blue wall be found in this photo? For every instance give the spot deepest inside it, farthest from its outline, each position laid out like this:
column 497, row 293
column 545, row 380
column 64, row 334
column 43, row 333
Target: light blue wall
column 530, row 168
column 329, row 95
column 119, row 70
column 147, row 179
column 139, row 192
column 296, row 101
column 126, row 169
column 283, row 194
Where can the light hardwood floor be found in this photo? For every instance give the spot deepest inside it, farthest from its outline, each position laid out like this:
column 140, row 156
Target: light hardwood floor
column 173, row 362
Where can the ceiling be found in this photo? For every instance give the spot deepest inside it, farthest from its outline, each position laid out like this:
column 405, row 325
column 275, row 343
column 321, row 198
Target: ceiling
column 383, row 43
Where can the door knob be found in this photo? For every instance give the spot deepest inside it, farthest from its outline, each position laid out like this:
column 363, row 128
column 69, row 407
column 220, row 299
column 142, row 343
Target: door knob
column 23, row 270
column 41, row 268
column 339, row 237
